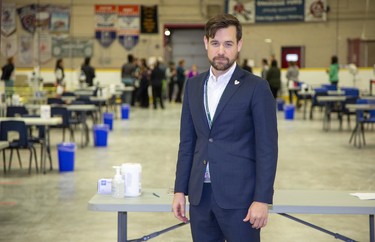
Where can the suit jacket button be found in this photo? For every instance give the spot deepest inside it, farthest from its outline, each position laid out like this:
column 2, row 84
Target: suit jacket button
column 211, row 140
column 204, row 162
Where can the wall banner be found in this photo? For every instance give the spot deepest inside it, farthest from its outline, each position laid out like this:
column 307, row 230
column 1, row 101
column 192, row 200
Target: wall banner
column 279, row 11
column 42, row 47
column 106, row 19
column 149, row 20
column 128, row 25
column 8, row 19
column 315, row 10
column 72, row 47
column 27, row 15
column 8, row 45
column 25, row 45
column 243, row 10
column 59, row 19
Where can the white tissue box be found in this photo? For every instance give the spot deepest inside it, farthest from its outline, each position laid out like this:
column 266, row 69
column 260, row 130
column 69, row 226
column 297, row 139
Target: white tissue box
column 105, row 186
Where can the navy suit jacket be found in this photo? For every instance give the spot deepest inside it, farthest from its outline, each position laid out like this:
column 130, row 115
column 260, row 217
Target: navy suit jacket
column 241, row 146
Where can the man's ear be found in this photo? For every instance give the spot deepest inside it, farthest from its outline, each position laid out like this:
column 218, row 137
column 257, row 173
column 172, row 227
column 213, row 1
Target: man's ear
column 205, row 40
column 239, row 45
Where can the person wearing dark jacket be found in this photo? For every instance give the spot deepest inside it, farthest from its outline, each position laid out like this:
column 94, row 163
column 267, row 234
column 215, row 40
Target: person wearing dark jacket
column 157, row 77
column 274, row 78
column 88, row 71
column 7, row 76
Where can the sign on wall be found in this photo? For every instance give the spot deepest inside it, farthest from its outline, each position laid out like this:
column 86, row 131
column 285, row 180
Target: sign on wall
column 149, row 20
column 271, row 11
column 72, row 47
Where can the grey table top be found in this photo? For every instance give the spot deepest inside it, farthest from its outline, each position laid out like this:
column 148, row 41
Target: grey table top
column 285, row 201
column 331, row 98
column 360, row 106
column 35, row 120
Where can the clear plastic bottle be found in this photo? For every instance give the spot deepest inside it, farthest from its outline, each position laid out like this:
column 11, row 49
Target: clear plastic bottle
column 118, row 184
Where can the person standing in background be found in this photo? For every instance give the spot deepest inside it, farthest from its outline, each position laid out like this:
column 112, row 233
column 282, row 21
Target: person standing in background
column 246, row 66
column 292, row 75
column 60, row 75
column 193, row 71
column 7, row 76
column 228, row 150
column 59, row 72
column 157, row 77
column 265, row 69
column 333, row 71
column 128, row 78
column 88, row 71
column 274, row 78
column 180, row 79
column 171, row 75
column 144, row 77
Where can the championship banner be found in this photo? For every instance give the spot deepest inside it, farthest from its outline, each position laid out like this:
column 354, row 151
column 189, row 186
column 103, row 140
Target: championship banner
column 59, row 19
column 149, row 20
column 105, row 29
column 315, row 10
column 279, row 11
column 8, row 45
column 25, row 45
column 8, row 19
column 243, row 10
column 128, row 25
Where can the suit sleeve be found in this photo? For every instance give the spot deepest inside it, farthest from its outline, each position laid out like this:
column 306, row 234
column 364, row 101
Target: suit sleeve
column 266, row 141
column 187, row 145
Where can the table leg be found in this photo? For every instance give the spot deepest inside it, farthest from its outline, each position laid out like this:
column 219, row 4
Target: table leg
column 372, row 228
column 304, row 106
column 122, row 227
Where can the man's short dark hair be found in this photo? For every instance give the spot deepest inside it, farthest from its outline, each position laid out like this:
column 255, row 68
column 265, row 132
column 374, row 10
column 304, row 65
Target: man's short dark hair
column 130, row 58
column 220, row 22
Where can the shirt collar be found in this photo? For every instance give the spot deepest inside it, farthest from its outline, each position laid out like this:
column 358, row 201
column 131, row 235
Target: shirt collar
column 225, row 76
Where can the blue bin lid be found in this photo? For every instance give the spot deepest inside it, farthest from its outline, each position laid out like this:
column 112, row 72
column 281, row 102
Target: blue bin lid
column 101, row 127
column 67, row 146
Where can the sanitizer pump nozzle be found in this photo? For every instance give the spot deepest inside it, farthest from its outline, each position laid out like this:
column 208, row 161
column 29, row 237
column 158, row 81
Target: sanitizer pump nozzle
column 118, row 184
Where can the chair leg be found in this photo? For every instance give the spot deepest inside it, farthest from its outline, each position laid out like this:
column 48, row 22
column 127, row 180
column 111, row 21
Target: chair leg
column 4, row 162
column 49, row 157
column 363, row 134
column 10, row 159
column 63, row 134
column 19, row 158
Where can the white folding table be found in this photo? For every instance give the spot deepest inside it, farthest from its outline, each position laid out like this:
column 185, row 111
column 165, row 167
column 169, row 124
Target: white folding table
column 285, row 202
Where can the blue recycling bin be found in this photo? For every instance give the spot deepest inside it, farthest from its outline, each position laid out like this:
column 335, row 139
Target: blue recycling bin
column 125, row 109
column 66, row 153
column 280, row 104
column 289, row 112
column 100, row 134
column 108, row 119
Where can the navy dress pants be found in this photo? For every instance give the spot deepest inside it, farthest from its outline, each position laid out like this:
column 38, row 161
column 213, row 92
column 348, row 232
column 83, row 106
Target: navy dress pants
column 210, row 223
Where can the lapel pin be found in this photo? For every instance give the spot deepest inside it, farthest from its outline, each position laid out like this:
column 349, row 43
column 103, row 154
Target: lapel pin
column 236, row 82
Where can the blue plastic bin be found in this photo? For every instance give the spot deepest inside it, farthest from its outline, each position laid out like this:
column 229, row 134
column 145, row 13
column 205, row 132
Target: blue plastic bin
column 101, row 134
column 289, row 112
column 108, row 119
column 125, row 108
column 66, row 152
column 280, row 104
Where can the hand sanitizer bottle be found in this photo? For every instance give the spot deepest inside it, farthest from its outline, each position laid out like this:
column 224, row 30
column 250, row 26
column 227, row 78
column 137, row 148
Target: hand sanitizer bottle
column 118, row 184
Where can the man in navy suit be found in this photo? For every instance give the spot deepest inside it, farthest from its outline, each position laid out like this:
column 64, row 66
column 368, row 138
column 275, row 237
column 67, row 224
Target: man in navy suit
column 228, row 144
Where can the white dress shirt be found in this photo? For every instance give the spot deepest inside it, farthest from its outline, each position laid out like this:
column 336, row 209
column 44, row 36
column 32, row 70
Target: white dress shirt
column 215, row 89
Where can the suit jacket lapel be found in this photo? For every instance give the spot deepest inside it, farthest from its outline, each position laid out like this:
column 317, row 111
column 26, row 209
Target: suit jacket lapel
column 232, row 86
column 200, row 99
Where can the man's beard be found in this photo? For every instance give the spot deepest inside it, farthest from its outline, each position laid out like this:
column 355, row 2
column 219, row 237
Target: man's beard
column 224, row 63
